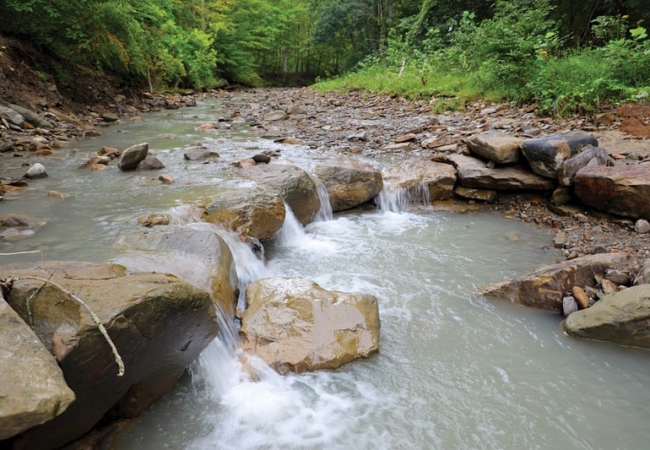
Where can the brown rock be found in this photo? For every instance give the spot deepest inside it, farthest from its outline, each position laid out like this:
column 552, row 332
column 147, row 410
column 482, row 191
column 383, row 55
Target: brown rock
column 581, row 297
column 349, row 182
column 495, row 146
column 166, row 179
column 438, row 178
column 484, row 195
column 405, row 138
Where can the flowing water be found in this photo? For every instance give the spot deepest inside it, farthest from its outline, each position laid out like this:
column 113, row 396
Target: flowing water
column 454, row 371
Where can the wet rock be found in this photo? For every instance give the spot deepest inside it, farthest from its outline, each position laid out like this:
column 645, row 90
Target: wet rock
column 545, row 155
column 569, row 305
column 581, row 297
column 198, row 154
column 158, row 323
column 166, row 179
column 33, row 390
column 97, row 159
column 544, row 288
column 248, row 162
column 495, row 146
column 32, row 118
column 438, row 178
column 349, row 182
column 294, row 325
column 17, row 226
column 274, row 116
column 618, row 277
column 262, row 158
column 484, row 195
column 622, row 318
column 109, row 117
column 131, row 157
column 621, row 190
column 250, row 212
column 153, row 220
column 56, row 194
column 37, row 170
column 472, row 173
column 588, row 156
column 642, row 226
column 150, row 163
column 109, row 152
column 294, row 185
column 11, row 116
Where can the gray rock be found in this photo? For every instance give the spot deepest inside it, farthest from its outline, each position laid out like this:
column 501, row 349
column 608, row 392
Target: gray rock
column 198, row 154
column 274, row 116
column 642, row 226
column 110, row 117
column 545, row 155
column 438, row 179
column 360, row 136
column 131, row 157
column 31, row 117
column 569, row 305
column 37, row 170
column 150, row 163
column 495, row 146
column 589, row 156
column 11, row 116
column 643, row 277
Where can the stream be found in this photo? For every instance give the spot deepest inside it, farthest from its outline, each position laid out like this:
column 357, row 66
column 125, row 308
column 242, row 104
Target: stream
column 455, row 370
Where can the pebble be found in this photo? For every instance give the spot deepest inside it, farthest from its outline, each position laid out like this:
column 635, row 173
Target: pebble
column 569, row 305
column 581, row 297
column 36, row 171
column 642, row 226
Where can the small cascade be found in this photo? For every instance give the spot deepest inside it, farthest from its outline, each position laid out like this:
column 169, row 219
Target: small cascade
column 325, row 212
column 292, row 234
column 398, row 199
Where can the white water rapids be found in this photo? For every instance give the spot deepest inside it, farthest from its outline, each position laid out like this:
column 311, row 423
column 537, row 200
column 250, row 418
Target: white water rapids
column 454, row 370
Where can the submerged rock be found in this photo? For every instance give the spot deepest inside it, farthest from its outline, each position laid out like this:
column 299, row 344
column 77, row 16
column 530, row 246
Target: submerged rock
column 349, row 182
column 295, row 325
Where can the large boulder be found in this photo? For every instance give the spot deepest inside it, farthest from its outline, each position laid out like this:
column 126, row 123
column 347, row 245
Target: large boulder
column 473, row 173
column 295, row 186
column 32, row 390
column 621, row 190
column 11, row 116
column 439, row 178
column 132, row 156
column 195, row 253
column 159, row 325
column 545, row 155
column 349, row 182
column 622, row 318
column 31, row 117
column 545, row 287
column 250, row 212
column 294, row 325
column 496, row 146
column 589, row 156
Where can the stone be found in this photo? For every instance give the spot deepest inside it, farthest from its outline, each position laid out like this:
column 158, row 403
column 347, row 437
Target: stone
column 150, row 163
column 581, row 297
column 472, row 173
column 438, row 178
column 588, row 156
column 544, row 288
column 248, row 162
column 249, row 212
column 11, row 116
column 97, row 159
column 620, row 190
column 545, row 155
column 158, row 323
column 359, row 136
column 495, row 146
column 33, row 390
column 32, row 118
column 166, row 179
column 405, row 138
column 274, row 116
column 109, row 117
column 196, row 253
column 16, row 226
column 110, row 152
column 131, row 157
column 642, row 226
column 608, row 286
column 349, row 182
column 295, row 325
column 561, row 239
column 622, row 318
column 618, row 277
column 569, row 305
column 197, row 154
column 262, row 158
column 294, row 185
column 37, row 170
column 561, row 196
column 643, row 276
column 484, row 195
column 153, row 220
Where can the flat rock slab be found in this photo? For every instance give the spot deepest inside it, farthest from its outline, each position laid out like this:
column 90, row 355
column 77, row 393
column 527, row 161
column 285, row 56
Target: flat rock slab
column 544, row 288
column 473, row 173
column 545, row 155
column 495, row 146
column 32, row 387
column 438, row 178
column 349, row 182
column 621, row 190
column 622, row 318
column 294, row 325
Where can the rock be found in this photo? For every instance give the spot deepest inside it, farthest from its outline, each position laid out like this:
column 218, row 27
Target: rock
column 153, row 220
column 32, row 118
column 158, row 323
column 33, row 390
column 109, row 117
column 349, row 182
column 274, row 116
column 110, row 152
column 561, row 239
column 11, row 116
column 545, row 155
column 248, row 162
column 195, row 253
column 561, row 196
column 617, row 276
column 544, row 288
column 472, row 173
column 131, row 157
column 261, row 158
column 359, row 136
column 150, row 163
column 608, row 287
column 581, row 297
column 16, row 226
column 621, row 190
column 252, row 213
column 200, row 155
column 495, row 146
column 294, row 325
column 622, row 318
column 37, row 170
column 410, row 175
column 569, row 305
column 97, row 159
column 484, row 195
column 588, row 156
column 166, row 179
column 294, row 185
column 405, row 138
column 643, row 277
column 642, row 226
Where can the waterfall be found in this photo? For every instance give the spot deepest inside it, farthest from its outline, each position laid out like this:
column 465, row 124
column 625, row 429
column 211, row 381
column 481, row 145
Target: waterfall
column 292, row 233
column 398, row 199
column 325, row 212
